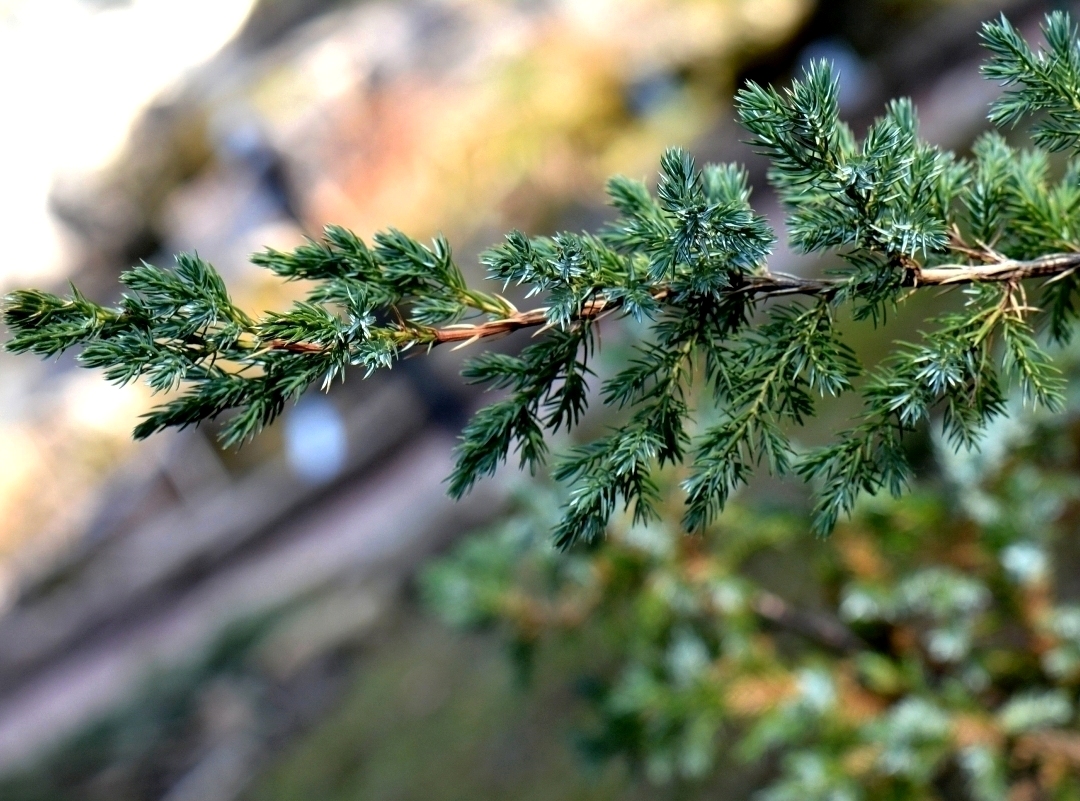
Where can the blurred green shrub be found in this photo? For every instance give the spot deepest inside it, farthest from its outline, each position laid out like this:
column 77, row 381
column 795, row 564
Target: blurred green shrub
column 929, row 649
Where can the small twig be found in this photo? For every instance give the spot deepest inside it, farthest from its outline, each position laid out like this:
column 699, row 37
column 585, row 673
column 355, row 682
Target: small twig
column 513, row 323
column 294, row 347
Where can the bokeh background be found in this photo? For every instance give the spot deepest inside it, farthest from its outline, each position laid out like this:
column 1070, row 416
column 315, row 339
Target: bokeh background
column 179, row 622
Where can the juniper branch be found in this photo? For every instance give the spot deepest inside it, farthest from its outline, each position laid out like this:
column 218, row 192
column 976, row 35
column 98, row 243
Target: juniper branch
column 690, row 264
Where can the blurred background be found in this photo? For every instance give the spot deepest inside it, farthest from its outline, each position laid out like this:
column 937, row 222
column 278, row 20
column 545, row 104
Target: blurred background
column 179, row 622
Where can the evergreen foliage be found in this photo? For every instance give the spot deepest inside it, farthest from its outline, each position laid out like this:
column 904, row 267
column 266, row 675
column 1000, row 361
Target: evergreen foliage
column 728, row 340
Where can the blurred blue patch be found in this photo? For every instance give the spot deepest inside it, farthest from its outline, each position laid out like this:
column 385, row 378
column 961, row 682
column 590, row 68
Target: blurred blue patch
column 855, row 76
column 315, row 440
column 651, row 93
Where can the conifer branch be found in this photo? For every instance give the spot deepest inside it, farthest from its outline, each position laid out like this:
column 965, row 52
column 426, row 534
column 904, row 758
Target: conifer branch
column 689, row 264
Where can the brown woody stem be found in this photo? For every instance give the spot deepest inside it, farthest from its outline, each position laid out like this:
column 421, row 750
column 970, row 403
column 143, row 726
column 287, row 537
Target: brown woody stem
column 822, row 628
column 766, row 285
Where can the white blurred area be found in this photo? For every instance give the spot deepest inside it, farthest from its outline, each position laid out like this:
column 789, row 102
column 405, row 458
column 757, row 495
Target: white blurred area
column 74, row 76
